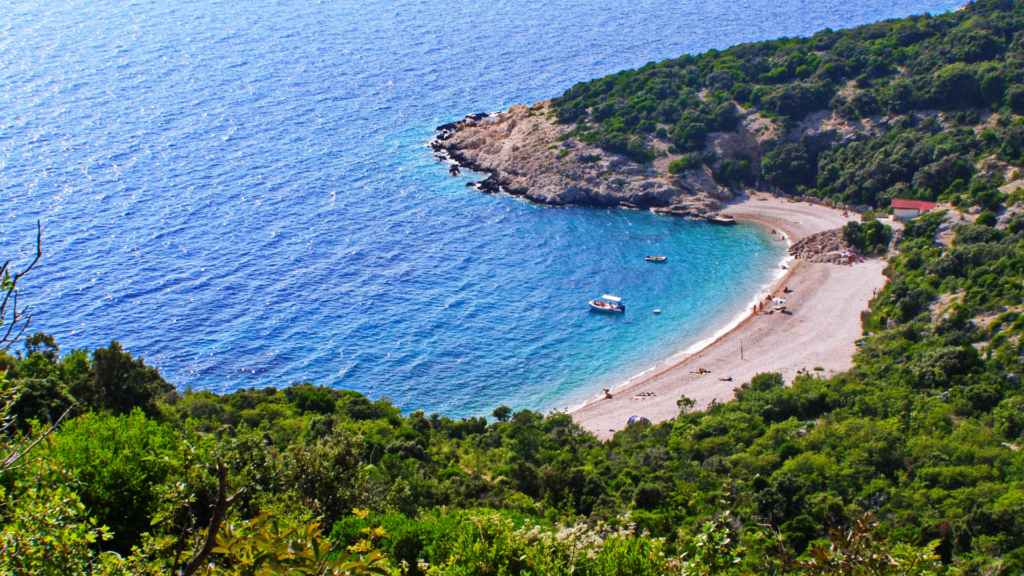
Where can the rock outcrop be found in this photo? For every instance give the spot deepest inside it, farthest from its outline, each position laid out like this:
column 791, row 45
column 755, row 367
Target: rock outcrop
column 827, row 246
column 525, row 153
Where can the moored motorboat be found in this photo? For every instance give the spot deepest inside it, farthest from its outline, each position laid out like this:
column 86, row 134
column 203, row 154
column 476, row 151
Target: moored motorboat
column 608, row 303
column 655, row 258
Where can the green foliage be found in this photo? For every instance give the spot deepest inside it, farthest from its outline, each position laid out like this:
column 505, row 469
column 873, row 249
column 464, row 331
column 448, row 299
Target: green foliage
column 502, row 413
column 986, row 219
column 854, row 550
column 325, row 476
column 481, row 543
column 713, row 550
column 684, row 163
column 119, row 462
column 123, row 383
column 794, row 100
column 734, row 173
column 40, row 400
column 790, row 165
column 315, row 400
column 868, row 236
column 46, row 531
column 268, row 545
column 44, row 527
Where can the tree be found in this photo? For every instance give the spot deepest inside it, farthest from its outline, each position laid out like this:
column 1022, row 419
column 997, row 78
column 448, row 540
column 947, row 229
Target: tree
column 685, row 405
column 123, row 383
column 325, row 476
column 854, row 550
column 317, row 400
column 790, row 165
column 44, row 400
column 867, row 237
column 502, row 413
column 955, row 86
column 766, row 381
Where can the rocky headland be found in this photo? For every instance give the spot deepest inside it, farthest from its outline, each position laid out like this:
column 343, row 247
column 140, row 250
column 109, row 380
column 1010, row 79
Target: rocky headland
column 525, row 152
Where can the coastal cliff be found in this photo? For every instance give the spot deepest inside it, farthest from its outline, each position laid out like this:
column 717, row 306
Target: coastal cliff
column 526, row 152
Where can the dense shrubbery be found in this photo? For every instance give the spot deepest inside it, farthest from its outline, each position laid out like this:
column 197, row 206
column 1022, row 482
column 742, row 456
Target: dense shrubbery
column 870, row 237
column 962, row 63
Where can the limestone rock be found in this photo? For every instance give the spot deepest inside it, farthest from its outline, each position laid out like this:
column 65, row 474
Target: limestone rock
column 827, row 246
column 526, row 154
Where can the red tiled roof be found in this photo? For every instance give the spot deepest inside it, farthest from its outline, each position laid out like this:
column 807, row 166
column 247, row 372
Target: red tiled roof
column 912, row 204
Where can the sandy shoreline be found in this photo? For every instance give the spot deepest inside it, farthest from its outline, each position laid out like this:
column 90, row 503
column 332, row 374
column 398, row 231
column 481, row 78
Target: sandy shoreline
column 826, row 303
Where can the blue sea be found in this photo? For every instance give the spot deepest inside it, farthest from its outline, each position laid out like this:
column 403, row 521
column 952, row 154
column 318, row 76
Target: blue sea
column 241, row 193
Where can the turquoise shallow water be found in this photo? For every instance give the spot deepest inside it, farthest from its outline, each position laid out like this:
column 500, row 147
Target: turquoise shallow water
column 241, row 193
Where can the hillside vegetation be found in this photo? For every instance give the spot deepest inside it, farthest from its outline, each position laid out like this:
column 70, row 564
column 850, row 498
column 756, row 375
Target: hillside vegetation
column 941, row 96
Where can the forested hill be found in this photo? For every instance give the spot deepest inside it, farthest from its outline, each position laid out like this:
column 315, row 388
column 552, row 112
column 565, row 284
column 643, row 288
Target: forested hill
column 925, row 107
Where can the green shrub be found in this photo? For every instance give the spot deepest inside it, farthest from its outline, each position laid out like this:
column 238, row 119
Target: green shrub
column 686, row 162
column 871, row 237
column 119, row 461
column 986, row 219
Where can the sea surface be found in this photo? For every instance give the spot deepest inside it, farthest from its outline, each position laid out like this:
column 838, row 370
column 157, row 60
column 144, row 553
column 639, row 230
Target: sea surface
column 241, row 193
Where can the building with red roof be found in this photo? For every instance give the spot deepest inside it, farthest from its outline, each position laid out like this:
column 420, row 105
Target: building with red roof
column 910, row 209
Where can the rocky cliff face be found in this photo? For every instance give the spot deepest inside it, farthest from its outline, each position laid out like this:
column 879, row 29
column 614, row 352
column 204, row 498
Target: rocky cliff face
column 527, row 154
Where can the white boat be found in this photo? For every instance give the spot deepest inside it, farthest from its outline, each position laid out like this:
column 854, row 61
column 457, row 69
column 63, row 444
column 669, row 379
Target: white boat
column 655, row 258
column 608, row 303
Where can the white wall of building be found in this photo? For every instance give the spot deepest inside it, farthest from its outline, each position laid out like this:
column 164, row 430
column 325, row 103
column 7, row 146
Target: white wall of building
column 906, row 213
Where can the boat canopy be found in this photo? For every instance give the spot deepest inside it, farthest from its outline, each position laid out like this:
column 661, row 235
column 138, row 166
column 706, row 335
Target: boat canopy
column 612, row 298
